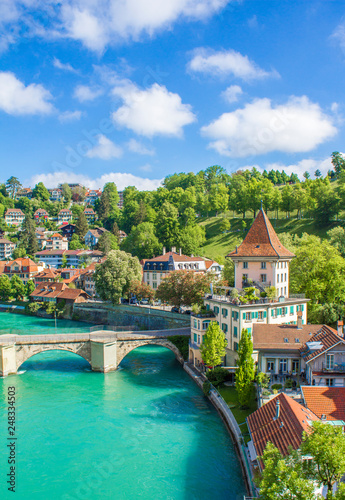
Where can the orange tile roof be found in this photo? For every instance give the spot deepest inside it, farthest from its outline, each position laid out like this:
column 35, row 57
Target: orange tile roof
column 329, row 401
column 287, row 430
column 72, row 293
column 261, row 241
column 328, row 338
column 48, row 289
column 267, row 337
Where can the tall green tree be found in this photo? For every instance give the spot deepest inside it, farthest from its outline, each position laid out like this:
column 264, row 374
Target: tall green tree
column 142, row 241
column 107, row 242
column 17, row 288
column 191, row 239
column 114, row 276
column 338, row 162
column 213, row 345
column 81, row 227
column 66, row 192
column 12, row 186
column 326, row 444
column 168, row 226
column 5, row 287
column 245, row 372
column 282, row 477
column 184, row 287
column 29, row 287
column 40, row 192
column 28, row 239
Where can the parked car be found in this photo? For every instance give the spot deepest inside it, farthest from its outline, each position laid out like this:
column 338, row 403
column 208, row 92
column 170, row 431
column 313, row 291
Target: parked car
column 145, row 302
column 187, row 311
column 133, row 300
column 124, row 301
column 176, row 310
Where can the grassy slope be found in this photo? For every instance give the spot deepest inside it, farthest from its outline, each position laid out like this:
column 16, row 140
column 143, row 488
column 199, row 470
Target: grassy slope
column 229, row 394
column 219, row 244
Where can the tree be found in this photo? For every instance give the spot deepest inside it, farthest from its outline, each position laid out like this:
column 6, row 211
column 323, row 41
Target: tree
column 213, row 345
column 64, row 261
column 75, row 243
column 338, row 162
column 228, row 272
column 40, row 192
column 245, row 368
column 141, row 290
column 78, row 194
column 114, row 276
column 168, row 227
column 224, row 224
column 5, row 287
column 191, row 238
column 317, row 174
column 18, row 253
column 107, row 242
column 12, row 186
column 81, row 227
column 66, row 192
column 142, row 241
column 29, row 287
column 282, row 477
column 17, row 287
column 184, row 288
column 306, row 175
column 108, row 202
column 28, row 238
column 336, row 238
column 326, row 444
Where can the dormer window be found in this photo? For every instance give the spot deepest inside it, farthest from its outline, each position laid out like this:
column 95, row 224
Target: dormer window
column 286, row 340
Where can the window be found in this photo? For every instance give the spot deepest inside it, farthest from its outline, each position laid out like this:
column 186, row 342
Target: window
column 244, row 277
column 263, row 278
column 285, row 277
column 235, row 331
column 245, row 265
column 154, row 285
column 330, row 382
column 330, row 361
column 154, row 275
column 283, row 365
column 235, row 346
column 286, row 340
column 195, row 337
column 224, row 312
column 260, row 315
column 291, row 310
column 277, row 278
column 205, row 325
column 199, row 339
column 270, row 365
column 282, row 277
column 263, row 265
column 248, row 316
column 284, row 311
column 274, row 313
column 195, row 323
column 295, row 365
column 224, row 327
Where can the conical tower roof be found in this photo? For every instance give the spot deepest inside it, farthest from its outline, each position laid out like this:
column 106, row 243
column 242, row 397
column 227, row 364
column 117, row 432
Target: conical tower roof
column 261, row 241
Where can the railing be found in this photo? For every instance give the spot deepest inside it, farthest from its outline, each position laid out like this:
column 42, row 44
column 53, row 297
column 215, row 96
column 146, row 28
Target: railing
column 113, row 328
column 337, row 367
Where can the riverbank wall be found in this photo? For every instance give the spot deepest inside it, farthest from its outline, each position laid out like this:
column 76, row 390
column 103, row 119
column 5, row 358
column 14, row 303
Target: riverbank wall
column 230, row 423
column 144, row 318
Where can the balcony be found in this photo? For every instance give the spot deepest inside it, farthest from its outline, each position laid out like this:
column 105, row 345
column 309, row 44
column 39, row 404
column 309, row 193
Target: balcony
column 193, row 345
column 336, row 368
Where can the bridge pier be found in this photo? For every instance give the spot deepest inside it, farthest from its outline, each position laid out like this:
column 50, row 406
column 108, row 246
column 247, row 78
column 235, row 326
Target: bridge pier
column 103, row 356
column 7, row 360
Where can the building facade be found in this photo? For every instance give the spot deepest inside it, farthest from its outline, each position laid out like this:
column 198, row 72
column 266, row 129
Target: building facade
column 6, row 249
column 14, row 217
column 64, row 216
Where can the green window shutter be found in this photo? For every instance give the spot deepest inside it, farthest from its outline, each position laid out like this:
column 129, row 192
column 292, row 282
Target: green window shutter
column 256, row 314
column 207, row 307
column 265, row 314
column 195, row 337
column 244, row 315
column 232, row 314
column 235, row 331
column 302, row 307
column 291, row 309
column 297, row 308
column 271, row 312
column 253, row 315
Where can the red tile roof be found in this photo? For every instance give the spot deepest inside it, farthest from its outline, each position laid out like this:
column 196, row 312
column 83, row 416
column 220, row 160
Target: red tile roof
column 328, row 338
column 329, row 401
column 287, row 430
column 266, row 337
column 72, row 294
column 261, row 241
column 48, row 289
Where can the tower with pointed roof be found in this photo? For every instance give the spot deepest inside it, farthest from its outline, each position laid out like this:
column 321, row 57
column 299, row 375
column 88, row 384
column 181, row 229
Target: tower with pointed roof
column 262, row 258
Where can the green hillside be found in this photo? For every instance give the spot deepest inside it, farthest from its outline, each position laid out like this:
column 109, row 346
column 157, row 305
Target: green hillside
column 219, row 243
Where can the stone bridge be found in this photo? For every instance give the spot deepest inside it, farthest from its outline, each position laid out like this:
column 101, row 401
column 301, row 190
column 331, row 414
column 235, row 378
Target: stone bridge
column 104, row 350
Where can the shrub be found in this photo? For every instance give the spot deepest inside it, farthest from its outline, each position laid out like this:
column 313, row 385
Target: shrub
column 266, row 392
column 218, row 375
column 182, row 344
column 34, row 307
column 263, row 294
column 263, row 380
column 276, row 386
column 288, row 383
column 206, row 387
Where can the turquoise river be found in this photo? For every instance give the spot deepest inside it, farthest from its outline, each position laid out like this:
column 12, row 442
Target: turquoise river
column 143, row 432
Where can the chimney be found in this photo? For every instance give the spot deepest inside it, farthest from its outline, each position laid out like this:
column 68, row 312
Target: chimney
column 236, row 248
column 340, row 326
column 164, row 250
column 173, row 249
column 299, row 320
column 277, row 409
column 180, row 251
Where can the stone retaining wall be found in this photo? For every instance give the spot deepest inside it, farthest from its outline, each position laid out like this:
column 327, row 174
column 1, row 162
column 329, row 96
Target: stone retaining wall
column 144, row 318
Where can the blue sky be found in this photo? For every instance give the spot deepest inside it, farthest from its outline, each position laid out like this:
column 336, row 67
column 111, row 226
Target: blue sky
column 133, row 90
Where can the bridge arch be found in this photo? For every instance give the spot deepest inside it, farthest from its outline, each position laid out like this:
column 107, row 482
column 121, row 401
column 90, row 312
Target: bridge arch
column 25, row 352
column 125, row 348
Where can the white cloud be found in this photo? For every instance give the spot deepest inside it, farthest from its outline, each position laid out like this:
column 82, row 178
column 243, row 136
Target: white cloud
column 146, row 168
column 306, row 165
column 64, row 66
column 226, row 62
column 70, row 116
column 16, row 99
column 297, row 126
column 232, row 93
column 105, row 149
column 137, row 147
column 84, row 93
column 338, row 35
column 121, row 180
column 154, row 111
